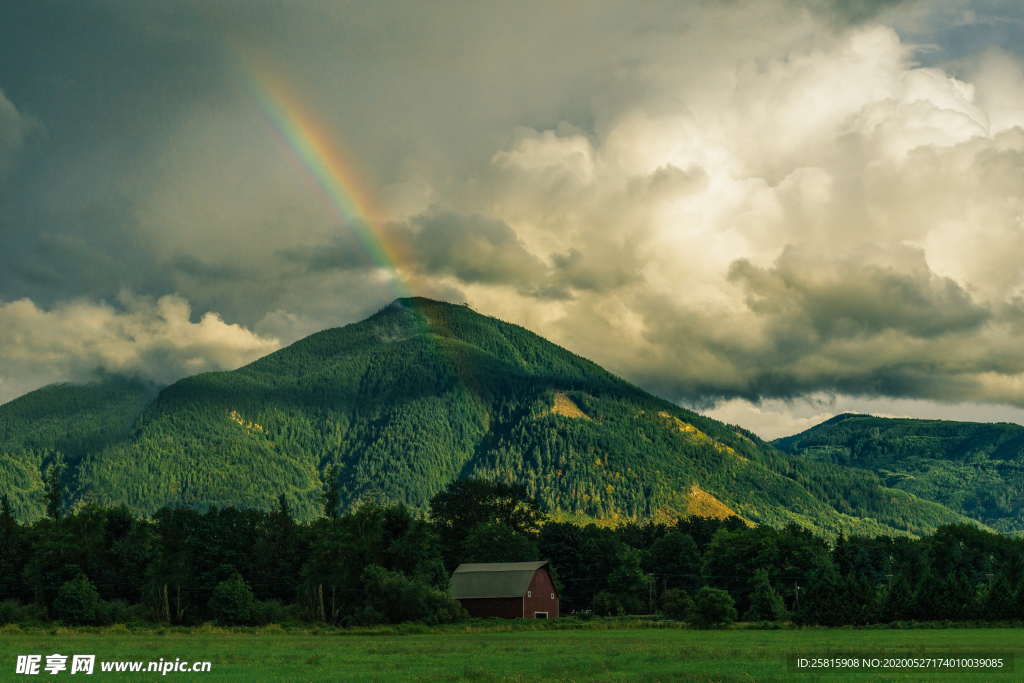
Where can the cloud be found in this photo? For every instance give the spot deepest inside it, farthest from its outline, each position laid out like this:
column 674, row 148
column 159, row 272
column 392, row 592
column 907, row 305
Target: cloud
column 14, row 127
column 868, row 323
column 831, row 206
column 156, row 340
column 856, row 296
column 472, row 248
column 774, row 418
column 439, row 243
column 834, row 218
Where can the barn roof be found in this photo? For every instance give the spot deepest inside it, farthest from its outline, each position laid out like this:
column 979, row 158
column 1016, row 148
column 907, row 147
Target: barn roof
column 493, row 579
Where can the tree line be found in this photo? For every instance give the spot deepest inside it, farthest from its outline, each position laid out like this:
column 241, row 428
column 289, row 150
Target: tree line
column 384, row 564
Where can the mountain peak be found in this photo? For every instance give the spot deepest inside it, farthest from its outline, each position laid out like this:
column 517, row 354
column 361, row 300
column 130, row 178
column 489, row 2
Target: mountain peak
column 421, row 393
column 420, row 301
column 842, row 417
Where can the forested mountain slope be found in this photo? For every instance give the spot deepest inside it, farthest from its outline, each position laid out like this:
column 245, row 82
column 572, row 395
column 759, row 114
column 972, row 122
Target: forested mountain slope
column 974, row 468
column 423, row 392
column 58, row 425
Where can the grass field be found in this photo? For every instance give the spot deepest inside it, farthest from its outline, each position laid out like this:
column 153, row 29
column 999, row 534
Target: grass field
column 603, row 654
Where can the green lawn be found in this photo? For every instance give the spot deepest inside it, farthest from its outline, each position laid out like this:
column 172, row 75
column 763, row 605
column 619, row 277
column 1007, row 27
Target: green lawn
column 633, row 654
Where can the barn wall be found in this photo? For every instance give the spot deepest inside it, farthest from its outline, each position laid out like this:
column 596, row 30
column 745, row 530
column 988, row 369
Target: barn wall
column 507, row 608
column 541, row 588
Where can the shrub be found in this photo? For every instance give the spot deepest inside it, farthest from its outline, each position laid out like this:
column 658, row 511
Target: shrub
column 713, row 608
column 607, row 604
column 366, row 616
column 399, row 598
column 114, row 612
column 270, row 612
column 676, row 604
column 13, row 612
column 77, row 602
column 232, row 602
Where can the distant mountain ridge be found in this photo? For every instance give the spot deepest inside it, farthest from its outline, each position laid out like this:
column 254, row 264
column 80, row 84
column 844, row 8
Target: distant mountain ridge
column 976, row 469
column 419, row 394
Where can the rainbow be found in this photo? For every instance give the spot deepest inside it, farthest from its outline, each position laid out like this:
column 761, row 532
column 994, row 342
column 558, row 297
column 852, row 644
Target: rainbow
column 320, row 152
column 334, row 171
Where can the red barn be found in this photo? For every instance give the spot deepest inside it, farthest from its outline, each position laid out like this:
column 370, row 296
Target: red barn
column 512, row 590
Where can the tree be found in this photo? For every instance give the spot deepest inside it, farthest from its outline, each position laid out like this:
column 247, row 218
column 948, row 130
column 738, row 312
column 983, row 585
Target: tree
column 469, row 502
column 14, row 554
column 497, row 543
column 765, row 602
column 77, row 602
column 562, row 543
column 733, row 556
column 1017, row 609
column 607, row 604
column 676, row 604
column 862, row 599
column 713, row 608
column 629, row 582
column 331, row 494
column 949, row 596
column 53, row 494
column 824, row 601
column 7, row 521
column 232, row 601
column 999, row 597
column 398, row 598
column 275, row 571
column 674, row 560
column 340, row 550
column 900, row 599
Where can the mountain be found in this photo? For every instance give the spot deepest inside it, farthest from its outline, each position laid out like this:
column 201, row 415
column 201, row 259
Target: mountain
column 62, row 423
column 421, row 393
column 976, row 469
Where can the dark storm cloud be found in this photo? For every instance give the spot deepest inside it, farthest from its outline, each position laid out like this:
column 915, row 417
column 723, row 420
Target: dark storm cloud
column 442, row 243
column 585, row 271
column 472, row 248
column 868, row 324
column 849, row 298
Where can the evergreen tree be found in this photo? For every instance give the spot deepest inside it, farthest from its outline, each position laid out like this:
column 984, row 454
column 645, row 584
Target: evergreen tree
column 331, row 494
column 900, row 599
column 13, row 555
column 950, row 596
column 1017, row 609
column 54, row 493
column 765, row 602
column 998, row 600
column 824, row 601
column 862, row 600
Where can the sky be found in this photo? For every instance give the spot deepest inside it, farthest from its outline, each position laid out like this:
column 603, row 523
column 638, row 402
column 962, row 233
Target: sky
column 771, row 211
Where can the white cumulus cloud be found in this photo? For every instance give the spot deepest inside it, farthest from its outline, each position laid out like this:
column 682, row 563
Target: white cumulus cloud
column 156, row 340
